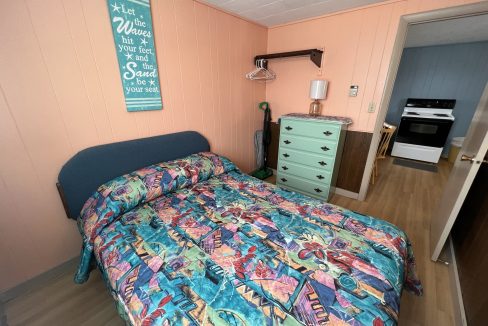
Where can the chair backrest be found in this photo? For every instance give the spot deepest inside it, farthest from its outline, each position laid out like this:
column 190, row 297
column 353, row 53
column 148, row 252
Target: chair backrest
column 386, row 134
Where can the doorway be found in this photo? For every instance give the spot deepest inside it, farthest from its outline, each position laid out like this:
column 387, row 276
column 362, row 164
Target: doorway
column 417, row 22
column 406, row 24
column 440, row 80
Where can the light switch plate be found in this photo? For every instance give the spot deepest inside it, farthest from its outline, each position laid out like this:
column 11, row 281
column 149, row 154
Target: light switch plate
column 353, row 90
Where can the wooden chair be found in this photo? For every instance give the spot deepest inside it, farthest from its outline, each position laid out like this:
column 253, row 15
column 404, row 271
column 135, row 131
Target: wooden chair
column 386, row 133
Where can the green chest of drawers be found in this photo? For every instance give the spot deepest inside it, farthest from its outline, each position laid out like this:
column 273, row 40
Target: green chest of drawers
column 309, row 155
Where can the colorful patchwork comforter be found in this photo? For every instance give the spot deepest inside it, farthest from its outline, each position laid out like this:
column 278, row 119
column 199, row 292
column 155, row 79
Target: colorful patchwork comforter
column 195, row 241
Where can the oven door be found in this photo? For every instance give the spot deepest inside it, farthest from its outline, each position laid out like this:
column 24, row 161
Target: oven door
column 422, row 131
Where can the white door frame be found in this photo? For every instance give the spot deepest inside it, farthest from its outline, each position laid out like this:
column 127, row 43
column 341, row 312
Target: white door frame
column 406, row 20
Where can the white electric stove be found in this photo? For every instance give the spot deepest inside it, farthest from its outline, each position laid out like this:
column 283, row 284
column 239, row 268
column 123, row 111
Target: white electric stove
column 423, row 129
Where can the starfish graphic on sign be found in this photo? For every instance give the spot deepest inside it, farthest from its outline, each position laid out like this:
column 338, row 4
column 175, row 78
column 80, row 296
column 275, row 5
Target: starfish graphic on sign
column 115, row 7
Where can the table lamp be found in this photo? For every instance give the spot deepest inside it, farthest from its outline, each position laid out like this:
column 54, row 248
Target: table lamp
column 318, row 90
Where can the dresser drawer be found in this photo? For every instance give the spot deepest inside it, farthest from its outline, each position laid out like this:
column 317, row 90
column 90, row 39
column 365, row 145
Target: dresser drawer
column 302, row 185
column 318, row 175
column 321, row 162
column 324, row 147
column 320, row 130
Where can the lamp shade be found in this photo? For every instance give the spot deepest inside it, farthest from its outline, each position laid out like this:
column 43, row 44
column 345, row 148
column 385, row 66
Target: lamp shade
column 318, row 89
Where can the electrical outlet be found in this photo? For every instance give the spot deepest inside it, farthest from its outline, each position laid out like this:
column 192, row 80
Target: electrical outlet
column 371, row 107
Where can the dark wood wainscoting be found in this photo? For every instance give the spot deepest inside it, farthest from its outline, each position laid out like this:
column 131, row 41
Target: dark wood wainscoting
column 356, row 147
column 470, row 238
column 353, row 161
column 273, row 147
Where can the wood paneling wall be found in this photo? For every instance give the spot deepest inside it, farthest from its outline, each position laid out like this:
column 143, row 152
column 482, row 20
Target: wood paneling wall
column 274, row 146
column 60, row 92
column 353, row 163
column 358, row 45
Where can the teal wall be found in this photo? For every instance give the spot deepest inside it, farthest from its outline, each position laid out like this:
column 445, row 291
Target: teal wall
column 456, row 71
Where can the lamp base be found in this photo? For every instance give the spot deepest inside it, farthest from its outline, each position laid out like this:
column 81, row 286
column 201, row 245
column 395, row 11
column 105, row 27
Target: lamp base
column 315, row 108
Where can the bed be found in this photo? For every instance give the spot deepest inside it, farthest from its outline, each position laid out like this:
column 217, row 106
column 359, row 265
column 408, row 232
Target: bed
column 183, row 237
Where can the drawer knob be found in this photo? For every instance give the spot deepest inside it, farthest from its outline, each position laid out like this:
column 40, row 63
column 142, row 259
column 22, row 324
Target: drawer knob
column 284, row 167
column 325, row 148
column 288, row 128
column 322, row 163
column 284, row 180
column 317, row 190
column 320, row 177
column 287, row 142
column 327, row 133
column 286, row 155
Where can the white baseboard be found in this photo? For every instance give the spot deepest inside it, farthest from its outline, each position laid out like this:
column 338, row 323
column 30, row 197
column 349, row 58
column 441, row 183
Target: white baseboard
column 345, row 193
column 459, row 312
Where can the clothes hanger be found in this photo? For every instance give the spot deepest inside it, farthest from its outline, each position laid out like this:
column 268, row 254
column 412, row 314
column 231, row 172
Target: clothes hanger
column 268, row 74
column 259, row 67
column 261, row 72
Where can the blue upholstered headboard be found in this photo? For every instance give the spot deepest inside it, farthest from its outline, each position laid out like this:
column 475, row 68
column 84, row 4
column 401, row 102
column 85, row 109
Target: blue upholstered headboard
column 92, row 167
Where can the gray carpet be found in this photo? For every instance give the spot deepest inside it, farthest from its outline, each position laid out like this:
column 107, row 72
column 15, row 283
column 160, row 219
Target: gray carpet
column 430, row 167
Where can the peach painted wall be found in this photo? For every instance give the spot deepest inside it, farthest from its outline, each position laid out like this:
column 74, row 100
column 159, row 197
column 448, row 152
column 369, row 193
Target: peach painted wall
column 358, row 46
column 60, row 92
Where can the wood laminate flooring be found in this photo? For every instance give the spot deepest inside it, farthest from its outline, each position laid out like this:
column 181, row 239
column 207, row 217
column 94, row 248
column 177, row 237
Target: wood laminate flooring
column 403, row 196
column 62, row 302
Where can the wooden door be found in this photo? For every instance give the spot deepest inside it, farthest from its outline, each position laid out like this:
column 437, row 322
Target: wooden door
column 475, row 146
column 470, row 239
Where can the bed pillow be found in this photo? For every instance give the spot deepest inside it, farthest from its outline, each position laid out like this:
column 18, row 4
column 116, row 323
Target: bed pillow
column 123, row 193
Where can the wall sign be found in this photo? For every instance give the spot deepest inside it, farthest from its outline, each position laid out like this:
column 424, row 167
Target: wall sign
column 134, row 42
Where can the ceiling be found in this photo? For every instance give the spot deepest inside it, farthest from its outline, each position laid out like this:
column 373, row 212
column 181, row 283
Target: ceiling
column 274, row 12
column 459, row 30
